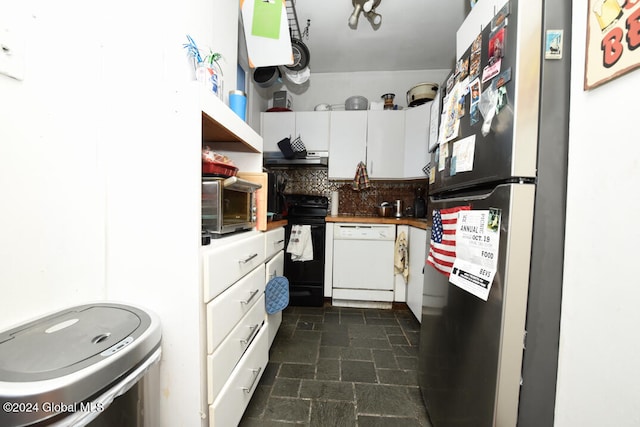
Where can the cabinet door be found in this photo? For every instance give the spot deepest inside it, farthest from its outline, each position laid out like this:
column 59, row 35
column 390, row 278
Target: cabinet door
column 347, row 143
column 416, row 140
column 313, row 129
column 385, row 144
column 417, row 253
column 274, row 268
column 276, row 126
column 274, row 242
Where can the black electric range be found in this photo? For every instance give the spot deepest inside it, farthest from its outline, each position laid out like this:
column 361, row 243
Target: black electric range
column 306, row 215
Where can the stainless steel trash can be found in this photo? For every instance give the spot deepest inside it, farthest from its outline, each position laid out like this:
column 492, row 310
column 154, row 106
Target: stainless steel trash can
column 84, row 365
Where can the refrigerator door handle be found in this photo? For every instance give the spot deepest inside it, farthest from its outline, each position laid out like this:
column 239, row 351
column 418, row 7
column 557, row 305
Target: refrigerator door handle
column 463, row 198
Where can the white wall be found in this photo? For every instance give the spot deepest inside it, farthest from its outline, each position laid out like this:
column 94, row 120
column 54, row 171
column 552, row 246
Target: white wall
column 599, row 346
column 52, row 220
column 99, row 169
column 335, row 88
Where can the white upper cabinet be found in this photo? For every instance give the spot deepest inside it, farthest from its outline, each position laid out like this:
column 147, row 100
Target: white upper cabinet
column 416, row 140
column 393, row 144
column 385, row 144
column 347, row 143
column 311, row 126
column 275, row 127
column 313, row 129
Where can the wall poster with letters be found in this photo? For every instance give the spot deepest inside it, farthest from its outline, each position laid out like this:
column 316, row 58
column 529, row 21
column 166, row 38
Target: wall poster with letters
column 613, row 38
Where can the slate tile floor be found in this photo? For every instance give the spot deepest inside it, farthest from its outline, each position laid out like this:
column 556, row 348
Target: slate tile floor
column 334, row 366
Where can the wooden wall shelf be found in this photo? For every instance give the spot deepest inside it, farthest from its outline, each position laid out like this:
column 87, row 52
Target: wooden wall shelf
column 224, row 130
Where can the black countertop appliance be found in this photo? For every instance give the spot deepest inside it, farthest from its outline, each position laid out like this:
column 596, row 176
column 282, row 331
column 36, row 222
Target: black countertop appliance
column 275, row 195
column 419, row 204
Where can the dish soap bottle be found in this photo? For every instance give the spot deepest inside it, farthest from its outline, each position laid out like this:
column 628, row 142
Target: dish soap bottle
column 214, row 74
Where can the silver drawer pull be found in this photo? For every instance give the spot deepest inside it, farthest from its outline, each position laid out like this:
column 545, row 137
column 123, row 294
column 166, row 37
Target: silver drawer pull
column 246, row 260
column 252, row 296
column 254, row 332
column 256, row 373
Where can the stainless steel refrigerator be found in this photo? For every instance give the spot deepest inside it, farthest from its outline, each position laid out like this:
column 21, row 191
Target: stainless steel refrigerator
column 490, row 359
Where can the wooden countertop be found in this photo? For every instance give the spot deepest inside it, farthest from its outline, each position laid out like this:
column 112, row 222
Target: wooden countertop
column 414, row 222
column 275, row 224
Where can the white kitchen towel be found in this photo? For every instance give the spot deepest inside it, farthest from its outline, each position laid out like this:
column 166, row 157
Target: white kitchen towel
column 300, row 245
column 401, row 259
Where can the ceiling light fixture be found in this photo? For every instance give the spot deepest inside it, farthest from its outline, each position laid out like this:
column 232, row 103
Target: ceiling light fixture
column 369, row 9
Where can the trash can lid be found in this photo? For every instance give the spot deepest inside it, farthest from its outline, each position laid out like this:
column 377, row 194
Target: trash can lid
column 50, row 345
column 72, row 355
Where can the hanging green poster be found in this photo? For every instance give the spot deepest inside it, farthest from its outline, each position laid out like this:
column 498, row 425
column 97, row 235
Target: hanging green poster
column 266, row 18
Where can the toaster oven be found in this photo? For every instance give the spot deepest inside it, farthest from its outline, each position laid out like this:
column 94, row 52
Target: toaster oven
column 228, row 205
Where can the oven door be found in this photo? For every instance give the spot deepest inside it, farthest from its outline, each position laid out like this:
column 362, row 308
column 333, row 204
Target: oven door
column 306, row 278
column 237, row 210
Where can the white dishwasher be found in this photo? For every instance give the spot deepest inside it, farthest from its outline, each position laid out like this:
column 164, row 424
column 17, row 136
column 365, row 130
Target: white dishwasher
column 363, row 257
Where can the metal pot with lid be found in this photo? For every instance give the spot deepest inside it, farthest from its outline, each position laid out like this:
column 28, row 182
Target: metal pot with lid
column 421, row 93
column 385, row 209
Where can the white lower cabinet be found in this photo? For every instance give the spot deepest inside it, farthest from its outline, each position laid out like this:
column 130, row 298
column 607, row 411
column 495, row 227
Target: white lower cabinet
column 224, row 264
column 228, row 407
column 225, row 311
column 227, row 355
column 274, row 242
column 237, row 347
column 417, row 252
column 361, row 270
column 274, row 267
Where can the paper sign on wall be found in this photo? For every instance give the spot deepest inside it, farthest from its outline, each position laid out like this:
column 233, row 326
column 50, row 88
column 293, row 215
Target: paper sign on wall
column 266, row 18
column 477, row 245
column 266, row 30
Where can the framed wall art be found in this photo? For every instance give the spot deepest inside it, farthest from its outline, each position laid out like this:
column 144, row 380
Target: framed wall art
column 613, row 38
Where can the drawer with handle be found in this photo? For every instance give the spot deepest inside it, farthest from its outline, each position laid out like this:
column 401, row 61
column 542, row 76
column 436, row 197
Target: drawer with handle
column 226, row 310
column 228, row 407
column 220, row 364
column 274, row 242
column 223, row 266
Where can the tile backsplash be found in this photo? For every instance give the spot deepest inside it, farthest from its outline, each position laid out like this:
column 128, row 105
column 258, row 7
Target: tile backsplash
column 363, row 202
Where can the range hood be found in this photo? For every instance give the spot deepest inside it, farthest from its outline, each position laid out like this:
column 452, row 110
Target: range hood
column 313, row 158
